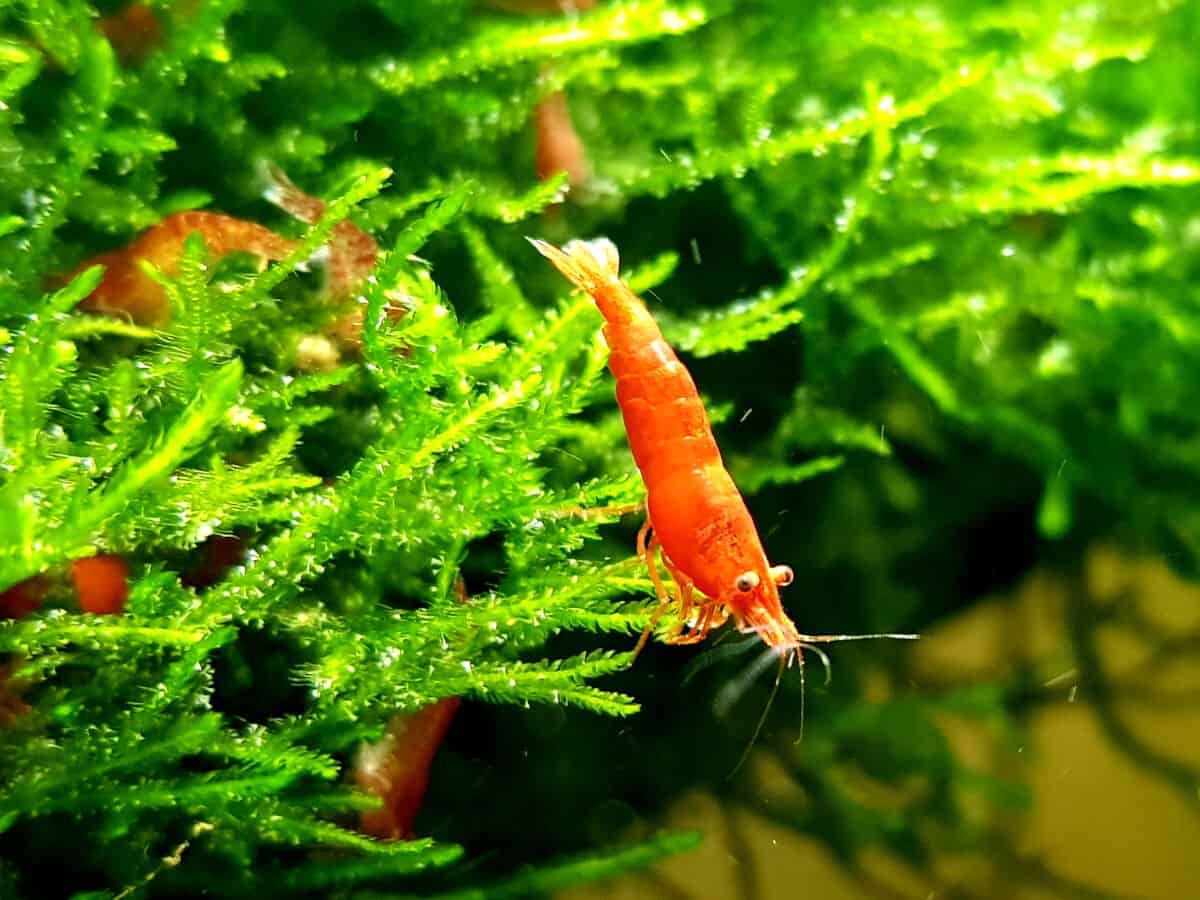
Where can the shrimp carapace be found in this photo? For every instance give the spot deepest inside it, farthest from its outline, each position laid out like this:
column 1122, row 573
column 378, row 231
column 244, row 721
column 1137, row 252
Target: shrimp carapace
column 126, row 290
column 696, row 514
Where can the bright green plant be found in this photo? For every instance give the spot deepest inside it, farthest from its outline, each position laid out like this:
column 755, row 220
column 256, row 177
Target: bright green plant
column 962, row 234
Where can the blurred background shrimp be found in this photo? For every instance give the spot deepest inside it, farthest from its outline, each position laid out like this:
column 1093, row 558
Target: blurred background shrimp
column 396, row 768
column 557, row 145
column 127, row 291
column 134, row 32
column 351, row 257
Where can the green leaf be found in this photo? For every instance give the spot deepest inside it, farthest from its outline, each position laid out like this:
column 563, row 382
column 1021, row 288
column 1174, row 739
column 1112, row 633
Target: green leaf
column 507, row 45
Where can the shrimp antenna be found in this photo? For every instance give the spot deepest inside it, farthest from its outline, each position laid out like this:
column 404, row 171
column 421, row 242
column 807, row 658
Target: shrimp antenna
column 824, row 657
column 804, row 688
column 835, row 638
column 731, row 692
column 808, row 640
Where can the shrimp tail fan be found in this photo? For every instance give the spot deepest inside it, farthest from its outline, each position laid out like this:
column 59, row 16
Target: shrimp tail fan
column 590, row 265
column 282, row 192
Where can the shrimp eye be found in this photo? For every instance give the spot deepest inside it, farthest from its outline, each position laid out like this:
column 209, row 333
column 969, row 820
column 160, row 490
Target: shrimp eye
column 747, row 581
column 782, row 575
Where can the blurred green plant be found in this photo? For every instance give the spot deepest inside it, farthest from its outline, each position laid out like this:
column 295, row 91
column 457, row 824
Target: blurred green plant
column 962, row 233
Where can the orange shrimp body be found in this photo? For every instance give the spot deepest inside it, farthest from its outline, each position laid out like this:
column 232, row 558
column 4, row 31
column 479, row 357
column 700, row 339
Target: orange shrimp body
column 102, row 582
column 125, row 290
column 396, row 769
column 698, row 515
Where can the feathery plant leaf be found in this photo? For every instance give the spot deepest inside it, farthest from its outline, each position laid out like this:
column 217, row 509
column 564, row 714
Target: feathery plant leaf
column 930, row 264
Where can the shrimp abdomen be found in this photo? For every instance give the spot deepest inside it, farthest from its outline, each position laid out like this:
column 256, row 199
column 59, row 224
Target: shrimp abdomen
column 666, row 435
column 223, row 235
column 664, row 417
column 125, row 290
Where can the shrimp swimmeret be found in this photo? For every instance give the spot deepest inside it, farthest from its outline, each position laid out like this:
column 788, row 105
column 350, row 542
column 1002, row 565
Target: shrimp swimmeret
column 697, row 516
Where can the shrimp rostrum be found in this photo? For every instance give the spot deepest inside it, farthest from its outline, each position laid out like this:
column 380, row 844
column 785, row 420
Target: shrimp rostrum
column 697, row 516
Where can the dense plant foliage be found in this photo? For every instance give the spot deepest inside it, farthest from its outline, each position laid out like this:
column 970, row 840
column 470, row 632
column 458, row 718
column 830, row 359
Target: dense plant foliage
column 962, row 234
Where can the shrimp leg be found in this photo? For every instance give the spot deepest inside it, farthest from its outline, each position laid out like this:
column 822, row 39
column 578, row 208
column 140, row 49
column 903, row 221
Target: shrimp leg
column 712, row 615
column 685, row 586
column 712, row 612
column 646, row 552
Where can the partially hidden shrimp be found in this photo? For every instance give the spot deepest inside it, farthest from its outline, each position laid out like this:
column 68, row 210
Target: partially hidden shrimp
column 127, row 291
column 352, row 252
column 352, row 256
column 697, row 516
column 396, row 768
column 558, row 146
column 24, row 597
column 101, row 586
column 12, row 707
column 134, row 32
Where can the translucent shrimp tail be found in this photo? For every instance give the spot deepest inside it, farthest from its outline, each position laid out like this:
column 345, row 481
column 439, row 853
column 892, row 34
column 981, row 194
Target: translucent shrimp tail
column 282, row 192
column 590, row 265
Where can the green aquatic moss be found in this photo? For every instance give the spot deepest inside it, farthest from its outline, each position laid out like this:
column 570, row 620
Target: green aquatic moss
column 933, row 264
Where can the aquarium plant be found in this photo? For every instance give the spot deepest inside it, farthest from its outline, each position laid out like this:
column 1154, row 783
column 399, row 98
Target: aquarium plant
column 931, row 265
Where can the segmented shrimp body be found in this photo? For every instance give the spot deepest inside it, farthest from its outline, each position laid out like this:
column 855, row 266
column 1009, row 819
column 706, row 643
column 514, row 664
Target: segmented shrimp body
column 697, row 514
column 125, row 290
